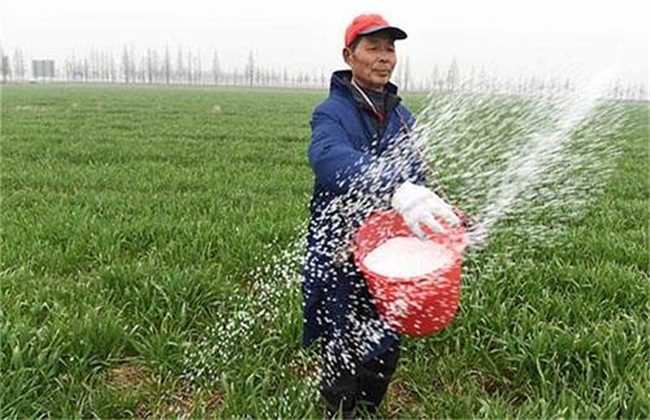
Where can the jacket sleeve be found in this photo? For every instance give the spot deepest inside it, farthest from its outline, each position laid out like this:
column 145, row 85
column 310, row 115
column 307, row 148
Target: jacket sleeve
column 338, row 165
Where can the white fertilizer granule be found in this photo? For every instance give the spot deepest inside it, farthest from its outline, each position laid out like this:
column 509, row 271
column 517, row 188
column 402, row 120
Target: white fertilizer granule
column 408, row 257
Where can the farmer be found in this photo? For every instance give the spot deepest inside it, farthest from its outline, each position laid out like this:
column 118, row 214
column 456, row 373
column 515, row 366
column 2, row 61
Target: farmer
column 355, row 133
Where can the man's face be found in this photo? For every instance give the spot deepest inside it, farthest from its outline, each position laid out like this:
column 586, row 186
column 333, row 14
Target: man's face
column 372, row 61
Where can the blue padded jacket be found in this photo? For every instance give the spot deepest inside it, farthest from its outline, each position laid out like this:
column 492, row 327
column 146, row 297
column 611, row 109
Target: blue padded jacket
column 349, row 154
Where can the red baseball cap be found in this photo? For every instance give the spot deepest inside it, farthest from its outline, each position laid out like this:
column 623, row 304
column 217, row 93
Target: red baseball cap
column 370, row 24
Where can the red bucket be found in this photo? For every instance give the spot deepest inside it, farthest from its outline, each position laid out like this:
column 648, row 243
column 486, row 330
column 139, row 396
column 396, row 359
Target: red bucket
column 412, row 306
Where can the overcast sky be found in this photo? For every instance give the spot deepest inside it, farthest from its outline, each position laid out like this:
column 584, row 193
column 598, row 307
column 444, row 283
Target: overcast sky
column 514, row 37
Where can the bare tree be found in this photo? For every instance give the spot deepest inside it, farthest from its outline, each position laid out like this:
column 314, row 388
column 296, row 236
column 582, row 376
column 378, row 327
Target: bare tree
column 190, row 71
column 167, row 66
column 90, row 61
column 198, row 68
column 406, row 81
column 642, row 93
column 69, row 68
column 453, row 75
column 629, row 91
column 105, row 69
column 435, row 76
column 471, row 81
column 107, row 57
column 399, row 77
column 19, row 65
column 111, row 71
column 216, row 68
column 153, row 67
column 180, row 66
column 6, row 68
column 249, row 71
column 126, row 65
column 141, row 70
column 150, row 66
column 158, row 66
column 102, row 66
column 96, row 65
column 98, row 70
column 86, row 70
column 259, row 79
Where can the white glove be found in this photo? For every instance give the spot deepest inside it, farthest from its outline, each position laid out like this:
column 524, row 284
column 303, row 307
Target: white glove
column 420, row 206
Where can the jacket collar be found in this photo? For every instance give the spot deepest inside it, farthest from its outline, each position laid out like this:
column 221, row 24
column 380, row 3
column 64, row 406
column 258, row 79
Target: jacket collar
column 341, row 84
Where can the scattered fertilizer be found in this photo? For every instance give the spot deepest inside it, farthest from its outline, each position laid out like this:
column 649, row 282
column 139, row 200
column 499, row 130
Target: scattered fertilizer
column 524, row 158
column 408, row 257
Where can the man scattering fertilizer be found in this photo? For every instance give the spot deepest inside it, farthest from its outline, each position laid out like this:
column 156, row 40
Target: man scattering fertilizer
column 363, row 156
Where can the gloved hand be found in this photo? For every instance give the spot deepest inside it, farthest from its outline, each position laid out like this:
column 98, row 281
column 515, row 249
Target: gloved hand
column 420, row 206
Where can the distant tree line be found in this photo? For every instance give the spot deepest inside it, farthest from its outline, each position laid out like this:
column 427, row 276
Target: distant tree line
column 187, row 67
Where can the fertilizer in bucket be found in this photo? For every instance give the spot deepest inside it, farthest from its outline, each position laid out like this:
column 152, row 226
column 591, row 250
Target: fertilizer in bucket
column 415, row 283
column 403, row 257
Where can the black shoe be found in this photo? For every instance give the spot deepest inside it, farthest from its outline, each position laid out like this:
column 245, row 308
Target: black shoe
column 339, row 414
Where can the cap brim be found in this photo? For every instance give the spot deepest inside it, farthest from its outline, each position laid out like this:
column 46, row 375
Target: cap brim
column 396, row 33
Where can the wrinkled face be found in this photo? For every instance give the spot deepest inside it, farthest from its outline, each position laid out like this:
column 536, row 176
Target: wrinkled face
column 372, row 60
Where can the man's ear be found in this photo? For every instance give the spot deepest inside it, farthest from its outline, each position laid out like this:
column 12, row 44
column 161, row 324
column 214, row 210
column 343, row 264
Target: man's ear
column 347, row 52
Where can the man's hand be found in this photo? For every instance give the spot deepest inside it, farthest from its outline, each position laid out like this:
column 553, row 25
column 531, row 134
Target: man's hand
column 466, row 221
column 420, row 206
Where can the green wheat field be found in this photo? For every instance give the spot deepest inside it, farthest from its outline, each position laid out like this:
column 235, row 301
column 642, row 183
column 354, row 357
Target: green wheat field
column 133, row 219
